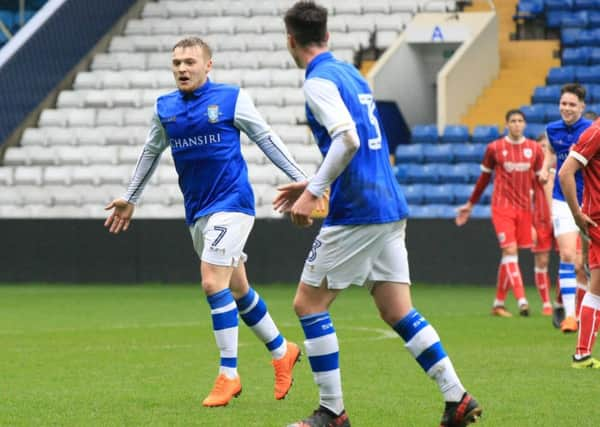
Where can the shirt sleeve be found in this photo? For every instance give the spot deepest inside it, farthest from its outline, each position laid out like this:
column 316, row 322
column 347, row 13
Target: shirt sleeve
column 328, row 107
column 587, row 146
column 156, row 142
column 539, row 159
column 249, row 120
column 489, row 158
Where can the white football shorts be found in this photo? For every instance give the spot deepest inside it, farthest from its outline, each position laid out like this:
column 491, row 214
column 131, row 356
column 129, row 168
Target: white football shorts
column 562, row 218
column 358, row 255
column 220, row 238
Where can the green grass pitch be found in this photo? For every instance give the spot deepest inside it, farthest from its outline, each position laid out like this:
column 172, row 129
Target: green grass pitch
column 145, row 356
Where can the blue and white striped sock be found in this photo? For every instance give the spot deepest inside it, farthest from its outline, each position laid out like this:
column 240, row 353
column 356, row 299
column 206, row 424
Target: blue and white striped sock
column 324, row 356
column 568, row 285
column 253, row 311
column 423, row 342
column 224, row 315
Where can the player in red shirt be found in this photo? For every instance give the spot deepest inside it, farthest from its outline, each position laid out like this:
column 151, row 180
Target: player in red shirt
column 514, row 160
column 542, row 226
column 585, row 154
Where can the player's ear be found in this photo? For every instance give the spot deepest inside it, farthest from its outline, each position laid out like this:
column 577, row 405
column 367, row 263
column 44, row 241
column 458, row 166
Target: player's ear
column 291, row 41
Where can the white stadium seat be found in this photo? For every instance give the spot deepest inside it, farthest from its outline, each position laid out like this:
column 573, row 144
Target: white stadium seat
column 155, row 10
column 253, row 154
column 6, row 176
column 82, row 118
column 88, row 80
column 178, row 9
column 70, row 155
column 110, row 117
column 95, row 98
column 126, row 98
column 61, row 136
column 58, row 175
column 56, row 118
column 375, row 6
column 34, row 136
column 121, row 44
column 11, row 196
column 36, row 195
column 70, row 99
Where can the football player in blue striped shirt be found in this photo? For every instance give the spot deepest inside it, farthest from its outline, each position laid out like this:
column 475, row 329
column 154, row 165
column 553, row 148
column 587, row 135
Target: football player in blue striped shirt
column 201, row 123
column 362, row 238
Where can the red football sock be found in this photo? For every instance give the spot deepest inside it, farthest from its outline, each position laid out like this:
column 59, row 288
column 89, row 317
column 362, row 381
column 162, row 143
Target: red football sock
column 588, row 324
column 542, row 283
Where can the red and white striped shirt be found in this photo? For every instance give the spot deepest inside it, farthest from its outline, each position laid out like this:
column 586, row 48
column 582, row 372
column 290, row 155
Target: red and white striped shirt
column 587, row 151
column 515, row 165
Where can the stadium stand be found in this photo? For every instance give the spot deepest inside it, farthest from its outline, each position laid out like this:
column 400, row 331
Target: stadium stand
column 82, row 152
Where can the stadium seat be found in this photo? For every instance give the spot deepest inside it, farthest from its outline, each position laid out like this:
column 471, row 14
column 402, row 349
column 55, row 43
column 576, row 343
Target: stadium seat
column 551, row 112
column 546, row 94
column 425, row 134
column 559, row 5
column 533, row 113
column 424, row 174
column 574, row 19
column 437, row 153
column 474, row 171
column 6, row 177
column 481, row 211
column 589, row 74
column 438, row 194
column 483, row 134
column 413, row 193
column 585, row 4
column 534, row 130
column 569, row 37
column 595, row 56
column 576, row 55
column 462, row 193
column 594, row 20
column 455, row 133
column 409, row 153
column 560, row 75
column 28, row 175
column 459, row 173
column 468, row 152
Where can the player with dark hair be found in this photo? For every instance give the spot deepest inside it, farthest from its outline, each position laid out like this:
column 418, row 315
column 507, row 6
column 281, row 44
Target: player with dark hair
column 201, row 123
column 361, row 241
column 515, row 161
column 562, row 134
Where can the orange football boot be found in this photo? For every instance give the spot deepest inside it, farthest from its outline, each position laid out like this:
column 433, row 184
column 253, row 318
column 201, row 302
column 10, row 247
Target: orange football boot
column 223, row 391
column 283, row 370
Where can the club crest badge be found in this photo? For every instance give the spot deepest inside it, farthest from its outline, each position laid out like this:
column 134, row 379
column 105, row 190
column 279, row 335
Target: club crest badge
column 213, row 113
column 527, row 152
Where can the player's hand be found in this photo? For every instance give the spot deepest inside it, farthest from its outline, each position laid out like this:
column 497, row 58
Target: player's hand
column 120, row 217
column 463, row 213
column 301, row 211
column 288, row 194
column 543, row 176
column 584, row 222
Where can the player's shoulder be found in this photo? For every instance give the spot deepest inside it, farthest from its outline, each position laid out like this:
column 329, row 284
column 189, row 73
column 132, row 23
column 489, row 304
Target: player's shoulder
column 555, row 126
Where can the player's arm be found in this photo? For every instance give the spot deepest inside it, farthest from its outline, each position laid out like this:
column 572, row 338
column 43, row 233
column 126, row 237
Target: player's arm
column 566, row 176
column 123, row 207
column 464, row 211
column 328, row 108
column 249, row 120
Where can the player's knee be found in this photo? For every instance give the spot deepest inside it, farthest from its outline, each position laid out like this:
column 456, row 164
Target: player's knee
column 210, row 287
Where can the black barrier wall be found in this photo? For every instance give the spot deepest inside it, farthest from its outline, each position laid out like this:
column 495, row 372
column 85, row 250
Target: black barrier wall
column 82, row 251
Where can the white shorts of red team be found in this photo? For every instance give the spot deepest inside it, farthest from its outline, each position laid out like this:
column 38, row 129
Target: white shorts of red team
column 562, row 218
column 358, row 255
column 220, row 238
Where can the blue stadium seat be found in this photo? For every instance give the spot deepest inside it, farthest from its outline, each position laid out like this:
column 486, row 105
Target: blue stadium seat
column 438, row 194
column 484, row 134
column 468, row 153
column 554, row 18
column 417, row 174
column 455, row 133
column 569, row 37
column 533, row 113
column 409, row 153
column 589, row 74
column 593, row 94
column 425, row 133
column 413, row 193
column 596, row 36
column 432, row 211
column 546, row 94
column 561, row 5
column 585, row 37
column 585, row 4
column 560, row 75
column 462, row 192
column 593, row 107
column 458, row 173
column 481, row 211
column 574, row 20
column 530, row 8
column 594, row 18
column 551, row 112
column 438, row 153
column 595, row 56
column 474, row 171
column 576, row 56
column 533, row 130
